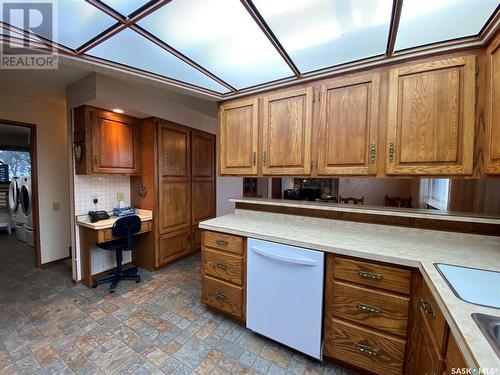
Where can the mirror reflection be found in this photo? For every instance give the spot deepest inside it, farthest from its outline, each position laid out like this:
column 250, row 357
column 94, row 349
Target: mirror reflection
column 468, row 196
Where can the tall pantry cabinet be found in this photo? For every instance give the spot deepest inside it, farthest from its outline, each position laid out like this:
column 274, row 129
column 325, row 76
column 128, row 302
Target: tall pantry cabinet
column 178, row 185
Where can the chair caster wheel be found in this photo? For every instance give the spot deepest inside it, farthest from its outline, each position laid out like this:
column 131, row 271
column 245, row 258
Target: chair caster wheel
column 138, row 280
column 94, row 284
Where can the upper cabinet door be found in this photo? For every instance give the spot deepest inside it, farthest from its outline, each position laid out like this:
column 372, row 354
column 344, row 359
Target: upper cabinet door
column 347, row 137
column 115, row 146
column 430, row 127
column 286, row 133
column 239, row 139
column 492, row 139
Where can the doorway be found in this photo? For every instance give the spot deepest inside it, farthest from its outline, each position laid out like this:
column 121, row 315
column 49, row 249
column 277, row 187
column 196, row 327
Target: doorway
column 19, row 209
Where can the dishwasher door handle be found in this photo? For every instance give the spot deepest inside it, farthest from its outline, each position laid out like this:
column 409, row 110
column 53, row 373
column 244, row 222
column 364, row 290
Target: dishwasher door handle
column 284, row 258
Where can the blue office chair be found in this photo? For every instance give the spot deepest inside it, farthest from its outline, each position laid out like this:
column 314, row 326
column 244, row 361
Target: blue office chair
column 123, row 229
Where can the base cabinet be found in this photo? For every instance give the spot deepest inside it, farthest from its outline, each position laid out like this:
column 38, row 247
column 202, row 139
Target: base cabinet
column 223, row 264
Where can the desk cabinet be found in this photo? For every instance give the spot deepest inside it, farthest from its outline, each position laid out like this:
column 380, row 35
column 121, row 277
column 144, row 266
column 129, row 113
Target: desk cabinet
column 105, row 142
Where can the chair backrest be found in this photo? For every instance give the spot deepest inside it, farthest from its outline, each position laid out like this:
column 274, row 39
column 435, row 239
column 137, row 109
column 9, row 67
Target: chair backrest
column 397, row 202
column 126, row 226
column 351, row 200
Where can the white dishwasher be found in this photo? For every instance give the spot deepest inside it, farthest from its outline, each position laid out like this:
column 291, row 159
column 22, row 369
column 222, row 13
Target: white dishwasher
column 285, row 294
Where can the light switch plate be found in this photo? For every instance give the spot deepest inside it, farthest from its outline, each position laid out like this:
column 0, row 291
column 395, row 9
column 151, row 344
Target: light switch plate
column 56, row 206
column 120, row 196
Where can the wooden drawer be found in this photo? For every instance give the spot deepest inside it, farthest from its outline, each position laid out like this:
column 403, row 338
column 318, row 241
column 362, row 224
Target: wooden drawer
column 432, row 314
column 364, row 348
column 373, row 274
column 107, row 235
column 226, row 242
column 223, row 296
column 380, row 310
column 223, row 265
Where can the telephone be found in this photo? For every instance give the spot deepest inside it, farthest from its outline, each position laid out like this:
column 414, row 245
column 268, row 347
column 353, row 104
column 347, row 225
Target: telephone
column 98, row 215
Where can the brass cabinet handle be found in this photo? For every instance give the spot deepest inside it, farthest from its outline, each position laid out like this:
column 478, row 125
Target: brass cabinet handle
column 254, row 158
column 367, row 349
column 427, row 307
column 370, row 275
column 220, row 295
column 222, row 243
column 373, row 152
column 391, row 151
column 264, row 158
column 222, row 266
column 370, row 308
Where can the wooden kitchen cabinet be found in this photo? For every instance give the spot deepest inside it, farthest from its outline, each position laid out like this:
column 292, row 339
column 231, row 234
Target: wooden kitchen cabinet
column 429, row 361
column 454, row 360
column 430, row 127
column 239, row 137
column 287, row 132
column 347, row 135
column 105, row 142
column 492, row 136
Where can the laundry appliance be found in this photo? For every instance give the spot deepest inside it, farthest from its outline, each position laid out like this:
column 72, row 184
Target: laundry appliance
column 15, row 208
column 27, row 209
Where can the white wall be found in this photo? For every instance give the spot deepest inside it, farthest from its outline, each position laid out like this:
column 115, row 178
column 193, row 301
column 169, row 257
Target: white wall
column 52, row 159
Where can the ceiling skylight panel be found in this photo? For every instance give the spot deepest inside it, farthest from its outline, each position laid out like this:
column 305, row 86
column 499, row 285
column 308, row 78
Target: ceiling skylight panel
column 323, row 33
column 131, row 49
column 221, row 36
column 126, row 7
column 429, row 21
column 77, row 22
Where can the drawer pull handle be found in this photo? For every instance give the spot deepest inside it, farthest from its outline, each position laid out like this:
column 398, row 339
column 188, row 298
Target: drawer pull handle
column 220, row 295
column 222, row 266
column 427, row 307
column 370, row 275
column 370, row 308
column 222, row 243
column 367, row 349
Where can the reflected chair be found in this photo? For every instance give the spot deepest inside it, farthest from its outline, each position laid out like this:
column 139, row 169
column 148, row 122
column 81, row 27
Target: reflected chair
column 351, row 200
column 123, row 229
column 397, row 202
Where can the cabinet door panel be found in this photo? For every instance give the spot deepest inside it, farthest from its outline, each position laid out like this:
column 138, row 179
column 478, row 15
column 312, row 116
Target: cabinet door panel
column 431, row 118
column 492, row 141
column 286, row 133
column 347, row 138
column 114, row 143
column 173, row 151
column 238, row 131
column 174, row 178
column 174, row 245
column 203, row 176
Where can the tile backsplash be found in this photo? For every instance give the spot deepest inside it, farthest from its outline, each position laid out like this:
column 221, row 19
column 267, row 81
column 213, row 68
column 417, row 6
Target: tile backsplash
column 105, row 188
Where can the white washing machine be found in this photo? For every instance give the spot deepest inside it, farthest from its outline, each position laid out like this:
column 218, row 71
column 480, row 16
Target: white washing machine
column 27, row 206
column 15, row 208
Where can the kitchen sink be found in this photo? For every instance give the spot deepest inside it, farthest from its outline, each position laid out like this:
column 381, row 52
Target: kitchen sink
column 490, row 327
column 473, row 285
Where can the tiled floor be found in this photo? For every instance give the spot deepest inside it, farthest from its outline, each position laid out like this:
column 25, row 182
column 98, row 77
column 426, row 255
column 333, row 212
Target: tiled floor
column 49, row 326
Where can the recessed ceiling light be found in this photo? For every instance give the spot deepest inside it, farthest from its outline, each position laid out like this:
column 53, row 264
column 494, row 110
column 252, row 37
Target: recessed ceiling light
column 117, row 110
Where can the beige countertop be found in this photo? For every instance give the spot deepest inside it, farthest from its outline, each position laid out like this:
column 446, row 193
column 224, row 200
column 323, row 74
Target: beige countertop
column 418, row 248
column 84, row 220
column 375, row 210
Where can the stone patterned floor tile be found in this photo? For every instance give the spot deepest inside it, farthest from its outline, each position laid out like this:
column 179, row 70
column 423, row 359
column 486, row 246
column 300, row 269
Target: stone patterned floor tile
column 159, row 326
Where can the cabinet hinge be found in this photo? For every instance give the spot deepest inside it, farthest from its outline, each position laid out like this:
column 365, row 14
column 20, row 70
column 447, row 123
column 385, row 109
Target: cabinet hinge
column 314, row 96
column 373, row 153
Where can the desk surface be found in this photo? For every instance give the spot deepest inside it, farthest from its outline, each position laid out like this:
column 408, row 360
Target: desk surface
column 84, row 220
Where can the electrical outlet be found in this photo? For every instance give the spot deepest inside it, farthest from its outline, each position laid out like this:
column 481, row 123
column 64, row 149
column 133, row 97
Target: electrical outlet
column 95, row 199
column 120, row 196
column 56, row 206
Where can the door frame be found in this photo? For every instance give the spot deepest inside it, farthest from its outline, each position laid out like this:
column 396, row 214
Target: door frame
column 34, row 186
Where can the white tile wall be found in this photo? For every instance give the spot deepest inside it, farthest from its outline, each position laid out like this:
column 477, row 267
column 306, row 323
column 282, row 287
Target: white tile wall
column 86, row 187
